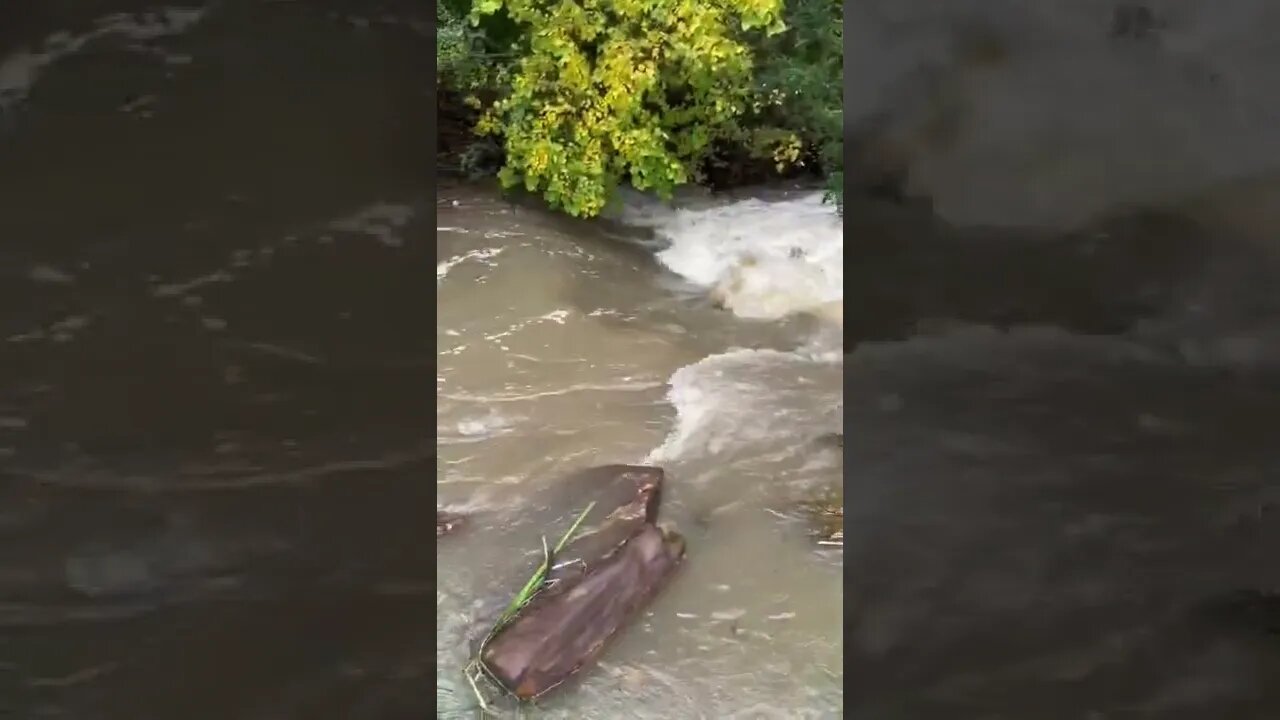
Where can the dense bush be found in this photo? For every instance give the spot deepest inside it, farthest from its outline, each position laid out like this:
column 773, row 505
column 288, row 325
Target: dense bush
column 587, row 94
column 468, row 58
column 613, row 90
column 802, row 77
column 453, row 48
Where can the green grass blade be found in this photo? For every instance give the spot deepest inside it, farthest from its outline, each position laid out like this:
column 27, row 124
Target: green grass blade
column 583, row 516
column 535, row 582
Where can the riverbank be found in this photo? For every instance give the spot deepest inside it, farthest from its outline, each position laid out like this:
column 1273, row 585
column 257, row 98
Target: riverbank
column 725, row 96
column 462, row 155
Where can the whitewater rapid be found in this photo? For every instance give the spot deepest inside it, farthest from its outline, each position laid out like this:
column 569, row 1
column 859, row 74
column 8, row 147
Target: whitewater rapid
column 1047, row 113
column 139, row 33
column 566, row 345
column 761, row 260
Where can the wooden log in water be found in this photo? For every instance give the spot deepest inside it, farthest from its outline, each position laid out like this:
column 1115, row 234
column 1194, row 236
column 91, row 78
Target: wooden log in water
column 597, row 584
column 558, row 633
column 609, row 486
column 611, row 530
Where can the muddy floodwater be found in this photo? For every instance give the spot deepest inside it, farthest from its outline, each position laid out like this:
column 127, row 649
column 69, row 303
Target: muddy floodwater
column 566, row 344
column 1063, row 479
column 215, row 414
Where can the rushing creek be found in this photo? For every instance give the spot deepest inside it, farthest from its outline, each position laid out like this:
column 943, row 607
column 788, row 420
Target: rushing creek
column 564, row 345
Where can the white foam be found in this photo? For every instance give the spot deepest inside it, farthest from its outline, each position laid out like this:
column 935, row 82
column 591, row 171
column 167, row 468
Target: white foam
column 1065, row 119
column 482, row 255
column 745, row 397
column 477, row 428
column 384, row 221
column 762, row 260
column 20, row 70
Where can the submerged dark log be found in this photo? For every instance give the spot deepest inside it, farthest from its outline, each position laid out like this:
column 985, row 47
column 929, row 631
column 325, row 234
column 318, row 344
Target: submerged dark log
column 596, row 585
column 559, row 633
column 619, row 526
column 446, row 522
column 609, row 486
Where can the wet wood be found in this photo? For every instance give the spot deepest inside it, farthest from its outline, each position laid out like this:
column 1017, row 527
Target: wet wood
column 560, row 633
column 597, row 585
column 611, row 487
column 613, row 530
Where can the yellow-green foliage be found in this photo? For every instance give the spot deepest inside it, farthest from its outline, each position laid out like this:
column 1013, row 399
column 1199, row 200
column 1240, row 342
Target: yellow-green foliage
column 614, row 89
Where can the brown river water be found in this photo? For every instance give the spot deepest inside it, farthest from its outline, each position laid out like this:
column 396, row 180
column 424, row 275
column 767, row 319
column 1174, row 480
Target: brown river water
column 215, row 438
column 564, row 345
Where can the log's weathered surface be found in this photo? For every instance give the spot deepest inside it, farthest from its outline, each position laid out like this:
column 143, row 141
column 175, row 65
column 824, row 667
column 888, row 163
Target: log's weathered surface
column 597, row 585
column 608, row 534
column 558, row 634
column 609, row 486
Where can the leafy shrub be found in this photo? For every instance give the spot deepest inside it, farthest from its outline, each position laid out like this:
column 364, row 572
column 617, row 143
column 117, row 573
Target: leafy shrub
column 801, row 79
column 453, row 48
column 610, row 90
